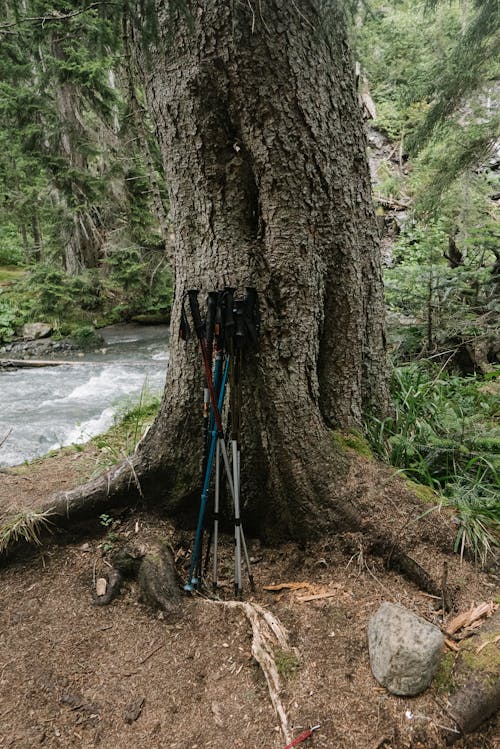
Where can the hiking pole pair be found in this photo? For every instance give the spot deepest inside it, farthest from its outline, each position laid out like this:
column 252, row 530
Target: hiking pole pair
column 217, row 445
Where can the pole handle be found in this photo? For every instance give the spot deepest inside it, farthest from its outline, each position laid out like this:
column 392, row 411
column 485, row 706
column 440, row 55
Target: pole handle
column 210, row 319
column 228, row 315
column 195, row 312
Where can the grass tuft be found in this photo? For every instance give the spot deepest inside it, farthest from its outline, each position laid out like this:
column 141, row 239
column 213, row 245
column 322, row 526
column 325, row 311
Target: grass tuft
column 25, row 526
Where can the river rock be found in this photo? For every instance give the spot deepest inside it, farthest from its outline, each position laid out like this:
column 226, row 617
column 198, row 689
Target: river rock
column 33, row 330
column 405, row 649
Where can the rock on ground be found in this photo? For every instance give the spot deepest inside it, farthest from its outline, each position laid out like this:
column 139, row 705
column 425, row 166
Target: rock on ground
column 405, row 649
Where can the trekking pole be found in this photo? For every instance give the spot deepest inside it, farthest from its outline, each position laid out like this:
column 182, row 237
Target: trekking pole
column 193, row 580
column 199, row 328
column 239, row 345
column 218, row 430
column 230, row 330
column 219, row 347
column 206, row 449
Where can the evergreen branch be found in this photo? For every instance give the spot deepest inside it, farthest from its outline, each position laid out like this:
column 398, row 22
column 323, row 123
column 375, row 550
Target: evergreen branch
column 465, row 69
column 54, row 16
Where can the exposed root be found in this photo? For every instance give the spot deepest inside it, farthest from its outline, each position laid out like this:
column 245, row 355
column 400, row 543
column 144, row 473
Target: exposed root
column 267, row 631
column 119, row 486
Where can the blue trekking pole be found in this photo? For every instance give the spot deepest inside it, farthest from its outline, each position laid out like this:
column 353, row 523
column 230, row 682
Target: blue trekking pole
column 193, row 580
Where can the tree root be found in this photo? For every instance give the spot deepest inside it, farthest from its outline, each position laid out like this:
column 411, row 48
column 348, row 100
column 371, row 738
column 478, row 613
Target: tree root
column 156, row 576
column 117, row 487
column 267, row 631
column 393, row 556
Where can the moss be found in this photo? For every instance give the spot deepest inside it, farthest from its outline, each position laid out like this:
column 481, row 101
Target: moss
column 287, row 663
column 487, row 661
column 497, row 599
column 352, row 440
column 425, row 493
column 443, row 680
column 152, row 318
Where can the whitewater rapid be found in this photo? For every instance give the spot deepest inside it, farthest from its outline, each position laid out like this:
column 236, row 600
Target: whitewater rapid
column 43, row 409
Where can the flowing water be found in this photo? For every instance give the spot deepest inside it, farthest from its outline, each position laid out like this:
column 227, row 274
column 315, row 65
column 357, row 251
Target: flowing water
column 43, row 409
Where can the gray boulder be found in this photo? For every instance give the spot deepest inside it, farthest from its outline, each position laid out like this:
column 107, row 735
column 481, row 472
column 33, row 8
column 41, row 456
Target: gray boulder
column 405, row 649
column 33, row 330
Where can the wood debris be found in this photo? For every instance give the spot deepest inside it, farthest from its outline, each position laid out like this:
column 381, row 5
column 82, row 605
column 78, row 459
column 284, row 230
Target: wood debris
column 470, row 619
column 100, row 586
column 317, row 596
column 288, row 586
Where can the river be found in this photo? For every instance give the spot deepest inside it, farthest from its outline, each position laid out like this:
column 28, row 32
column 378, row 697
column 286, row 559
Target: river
column 43, row 409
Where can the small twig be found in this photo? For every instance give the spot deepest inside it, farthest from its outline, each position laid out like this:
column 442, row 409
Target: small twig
column 150, row 655
column 378, row 581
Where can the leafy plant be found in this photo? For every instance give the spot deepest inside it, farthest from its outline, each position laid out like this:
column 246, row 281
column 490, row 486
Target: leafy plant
column 8, row 322
column 443, row 435
column 86, row 337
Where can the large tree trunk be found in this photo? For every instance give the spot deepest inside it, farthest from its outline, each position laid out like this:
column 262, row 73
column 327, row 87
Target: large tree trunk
column 264, row 151
column 261, row 134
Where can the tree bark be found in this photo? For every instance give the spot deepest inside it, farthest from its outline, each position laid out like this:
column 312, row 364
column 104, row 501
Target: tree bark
column 262, row 138
column 260, row 129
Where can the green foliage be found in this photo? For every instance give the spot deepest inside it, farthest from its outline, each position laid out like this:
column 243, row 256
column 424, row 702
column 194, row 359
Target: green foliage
column 443, row 434
column 7, row 322
column 49, row 289
column 105, row 520
column 85, row 337
column 11, row 252
column 287, row 663
column 85, row 290
column 472, row 60
column 146, row 282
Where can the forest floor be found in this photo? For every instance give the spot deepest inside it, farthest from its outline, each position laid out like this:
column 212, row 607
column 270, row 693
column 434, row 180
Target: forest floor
column 73, row 674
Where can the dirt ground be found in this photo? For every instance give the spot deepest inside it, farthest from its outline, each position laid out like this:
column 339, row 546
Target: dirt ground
column 73, row 674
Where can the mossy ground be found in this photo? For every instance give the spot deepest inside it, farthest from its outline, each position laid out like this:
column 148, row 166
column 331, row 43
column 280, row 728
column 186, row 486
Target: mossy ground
column 443, row 680
column 352, row 440
column 482, row 655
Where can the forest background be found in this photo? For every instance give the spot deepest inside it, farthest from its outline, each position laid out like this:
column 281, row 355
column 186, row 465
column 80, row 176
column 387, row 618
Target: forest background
column 85, row 235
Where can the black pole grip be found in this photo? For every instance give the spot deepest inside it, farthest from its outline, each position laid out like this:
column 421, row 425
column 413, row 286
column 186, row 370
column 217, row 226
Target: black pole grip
column 219, row 322
column 228, row 314
column 252, row 314
column 239, row 336
column 210, row 321
column 195, row 312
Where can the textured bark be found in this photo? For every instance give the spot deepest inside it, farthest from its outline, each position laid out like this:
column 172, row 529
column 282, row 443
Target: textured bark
column 261, row 134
